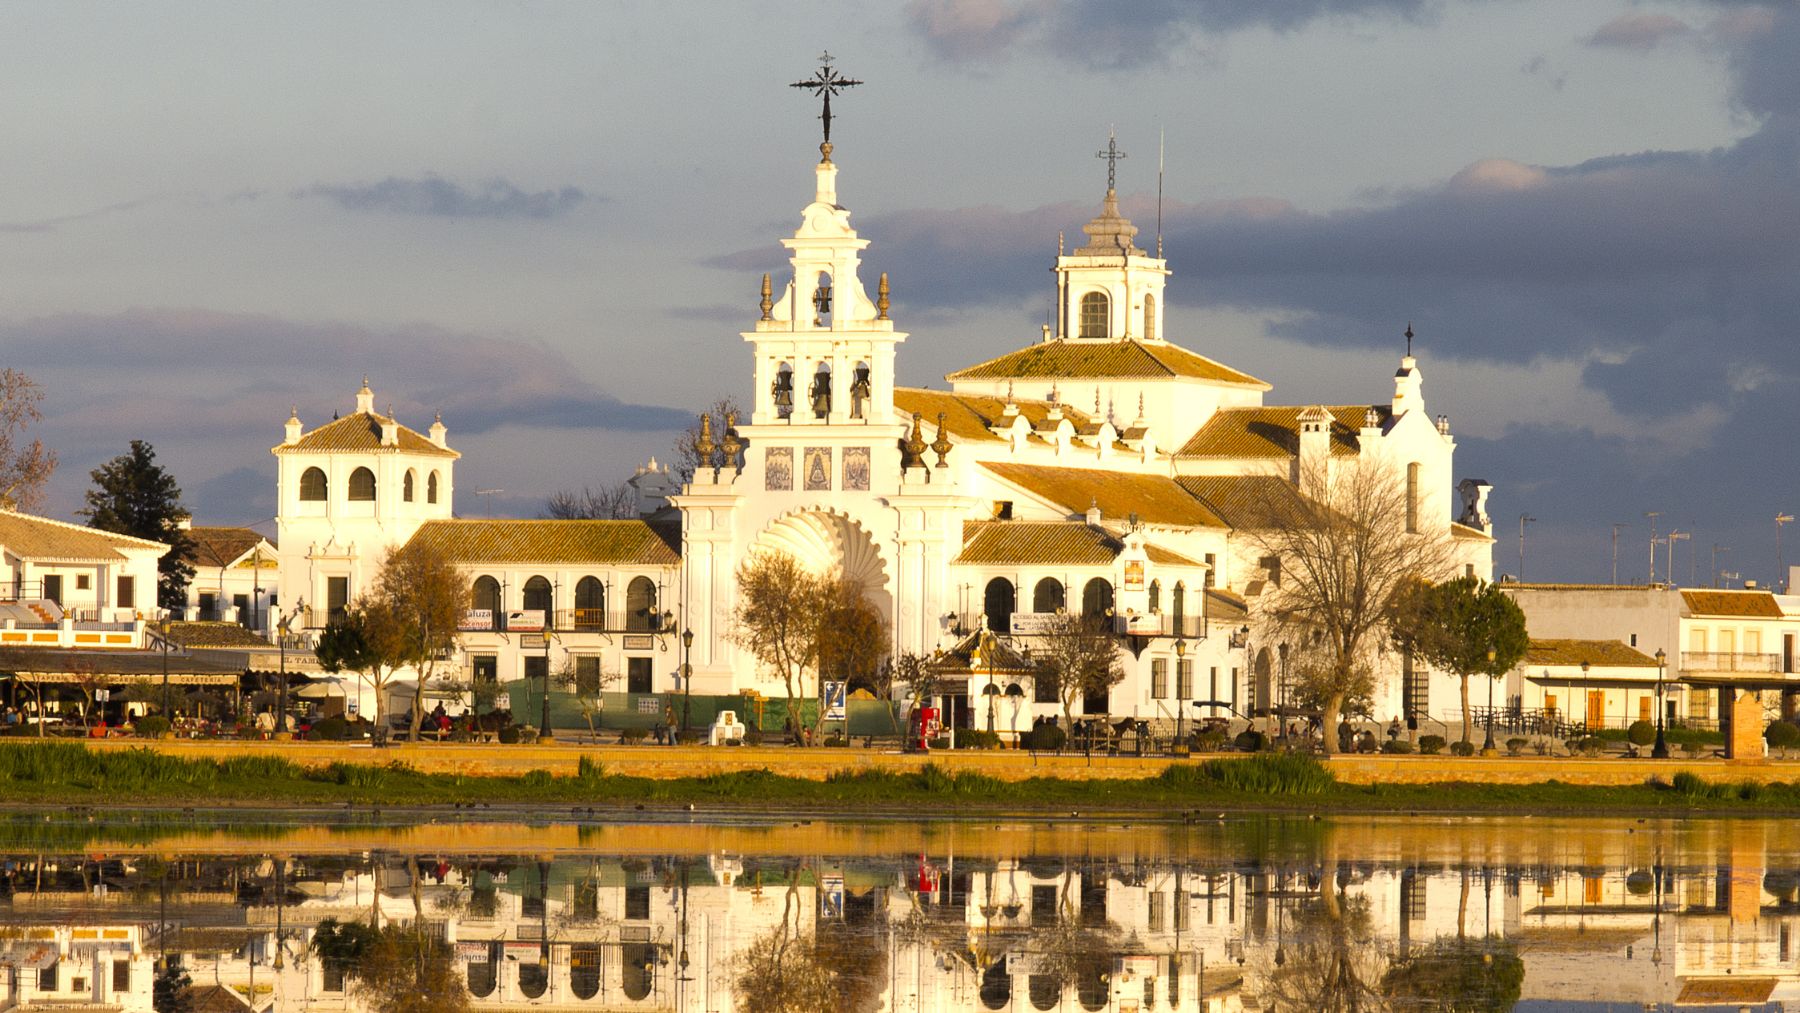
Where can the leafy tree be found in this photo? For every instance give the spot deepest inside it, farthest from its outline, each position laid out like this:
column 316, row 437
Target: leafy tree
column 24, row 467
column 1078, row 656
column 1340, row 552
column 777, row 621
column 853, row 636
column 1458, row 976
column 907, row 673
column 134, row 496
column 782, row 972
column 608, row 503
column 402, row 969
column 169, row 992
column 371, row 639
column 421, row 590
column 1465, row 626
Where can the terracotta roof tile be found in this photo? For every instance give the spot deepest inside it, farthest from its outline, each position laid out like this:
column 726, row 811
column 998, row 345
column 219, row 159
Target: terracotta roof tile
column 214, row 635
column 1156, row 499
column 1598, row 653
column 549, row 541
column 1273, row 431
column 1751, row 604
column 43, row 538
column 1241, row 501
column 969, row 416
column 1094, row 360
column 361, row 433
column 216, row 546
column 1070, row 543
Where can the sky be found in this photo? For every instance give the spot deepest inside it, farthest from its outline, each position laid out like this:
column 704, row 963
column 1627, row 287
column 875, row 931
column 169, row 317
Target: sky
column 548, row 221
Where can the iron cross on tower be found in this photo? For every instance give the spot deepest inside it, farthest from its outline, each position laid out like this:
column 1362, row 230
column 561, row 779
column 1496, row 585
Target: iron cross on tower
column 824, row 83
column 1112, row 154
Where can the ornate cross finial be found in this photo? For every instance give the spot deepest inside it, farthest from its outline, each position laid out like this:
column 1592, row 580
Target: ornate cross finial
column 824, row 83
column 1112, row 154
column 1409, row 337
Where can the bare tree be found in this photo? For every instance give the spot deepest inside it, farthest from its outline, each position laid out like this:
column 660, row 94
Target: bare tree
column 687, row 452
column 608, row 503
column 587, row 690
column 777, row 621
column 1078, row 656
column 1343, row 553
column 24, row 466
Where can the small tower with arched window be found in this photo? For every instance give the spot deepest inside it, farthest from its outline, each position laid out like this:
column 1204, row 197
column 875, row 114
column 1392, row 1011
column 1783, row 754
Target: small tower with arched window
column 347, row 491
column 1108, row 288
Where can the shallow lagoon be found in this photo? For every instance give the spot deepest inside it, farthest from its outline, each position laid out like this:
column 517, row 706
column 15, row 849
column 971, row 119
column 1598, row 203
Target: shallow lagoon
column 714, row 912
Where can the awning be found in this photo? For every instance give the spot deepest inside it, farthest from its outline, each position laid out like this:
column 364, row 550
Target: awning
column 55, row 665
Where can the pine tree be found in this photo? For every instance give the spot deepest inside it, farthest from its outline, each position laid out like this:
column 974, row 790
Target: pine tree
column 134, row 496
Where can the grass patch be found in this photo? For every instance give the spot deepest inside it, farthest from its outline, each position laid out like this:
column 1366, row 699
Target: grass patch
column 1261, row 774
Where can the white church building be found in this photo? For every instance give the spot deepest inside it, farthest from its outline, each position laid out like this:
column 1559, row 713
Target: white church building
column 1100, row 468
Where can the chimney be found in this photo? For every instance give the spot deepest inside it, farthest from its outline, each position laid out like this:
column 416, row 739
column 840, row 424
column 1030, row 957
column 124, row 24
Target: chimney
column 438, row 431
column 390, row 430
column 291, row 435
column 365, row 398
column 1315, row 438
column 1093, row 512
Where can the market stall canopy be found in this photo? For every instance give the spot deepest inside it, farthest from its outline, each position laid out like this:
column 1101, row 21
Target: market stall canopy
column 48, row 665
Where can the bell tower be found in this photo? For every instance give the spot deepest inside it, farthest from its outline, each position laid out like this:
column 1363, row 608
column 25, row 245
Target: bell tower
column 1108, row 289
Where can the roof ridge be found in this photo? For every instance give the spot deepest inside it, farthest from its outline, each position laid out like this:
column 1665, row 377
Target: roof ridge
column 88, row 528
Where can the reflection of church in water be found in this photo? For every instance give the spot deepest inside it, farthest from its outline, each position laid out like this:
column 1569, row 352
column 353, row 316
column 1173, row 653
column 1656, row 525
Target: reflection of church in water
column 1589, row 913
column 1103, row 470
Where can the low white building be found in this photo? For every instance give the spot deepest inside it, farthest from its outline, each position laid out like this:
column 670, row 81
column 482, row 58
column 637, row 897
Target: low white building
column 237, row 574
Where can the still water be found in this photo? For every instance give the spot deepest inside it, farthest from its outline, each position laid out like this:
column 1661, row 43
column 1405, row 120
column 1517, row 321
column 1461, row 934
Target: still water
column 720, row 914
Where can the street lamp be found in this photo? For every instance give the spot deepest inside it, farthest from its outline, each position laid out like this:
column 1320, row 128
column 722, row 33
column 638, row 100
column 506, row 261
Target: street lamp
column 992, row 692
column 544, row 709
column 1180, row 696
column 687, row 679
column 1661, row 750
column 1487, row 748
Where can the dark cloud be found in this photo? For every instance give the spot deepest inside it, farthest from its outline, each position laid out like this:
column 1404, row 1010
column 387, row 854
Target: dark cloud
column 210, row 389
column 434, row 196
column 1107, row 35
column 1639, row 31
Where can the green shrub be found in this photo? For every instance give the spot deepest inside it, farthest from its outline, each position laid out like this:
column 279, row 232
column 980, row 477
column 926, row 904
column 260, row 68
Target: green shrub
column 152, row 726
column 1431, row 745
column 527, row 735
column 1396, row 747
column 1516, row 746
column 1261, row 774
column 1045, row 738
column 1782, row 735
column 1642, row 733
column 939, row 781
column 587, row 770
column 537, row 779
column 331, row 729
column 838, row 741
column 509, row 735
column 1209, row 741
column 970, row 738
column 1250, row 741
column 1693, row 748
column 634, row 735
column 1462, row 749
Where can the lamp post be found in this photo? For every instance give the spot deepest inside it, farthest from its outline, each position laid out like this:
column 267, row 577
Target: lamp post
column 1780, row 567
column 992, row 692
column 544, row 708
column 1180, row 697
column 162, row 637
column 1487, row 747
column 687, row 679
column 1661, row 750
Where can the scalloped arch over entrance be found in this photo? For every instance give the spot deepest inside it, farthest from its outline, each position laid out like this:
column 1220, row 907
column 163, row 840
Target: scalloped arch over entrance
column 827, row 542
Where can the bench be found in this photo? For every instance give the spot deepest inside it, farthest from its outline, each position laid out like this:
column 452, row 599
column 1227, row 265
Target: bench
column 725, row 730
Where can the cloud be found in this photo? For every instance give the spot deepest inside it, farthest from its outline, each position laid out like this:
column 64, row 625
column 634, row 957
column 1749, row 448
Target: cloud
column 52, row 224
column 1639, row 31
column 1107, row 35
column 210, row 390
column 435, row 197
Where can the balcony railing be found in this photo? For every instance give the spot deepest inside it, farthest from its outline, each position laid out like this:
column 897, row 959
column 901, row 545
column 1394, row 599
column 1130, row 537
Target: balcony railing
column 1152, row 624
column 562, row 621
column 1730, row 661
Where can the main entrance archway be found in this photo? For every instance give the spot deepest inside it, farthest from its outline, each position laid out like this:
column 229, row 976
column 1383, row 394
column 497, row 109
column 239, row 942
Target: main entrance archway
column 832, row 544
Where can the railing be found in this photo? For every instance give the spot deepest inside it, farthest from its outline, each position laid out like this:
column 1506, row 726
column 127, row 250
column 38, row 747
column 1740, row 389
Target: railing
column 1730, row 661
column 1161, row 624
column 566, row 621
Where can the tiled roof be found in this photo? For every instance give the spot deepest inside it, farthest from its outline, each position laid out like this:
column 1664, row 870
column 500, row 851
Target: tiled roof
column 510, row 541
column 361, row 433
column 120, row 663
column 1273, row 431
column 1598, row 653
column 221, row 546
column 1242, row 501
column 42, row 538
column 1069, row 543
column 1225, row 606
column 1094, row 360
column 214, row 635
column 968, row 416
column 1154, row 498
column 1750, row 604
column 1001, row 657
